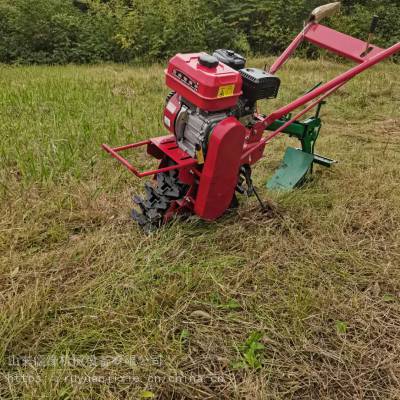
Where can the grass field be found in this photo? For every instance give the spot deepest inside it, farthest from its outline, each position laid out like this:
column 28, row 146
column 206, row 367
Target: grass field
column 301, row 304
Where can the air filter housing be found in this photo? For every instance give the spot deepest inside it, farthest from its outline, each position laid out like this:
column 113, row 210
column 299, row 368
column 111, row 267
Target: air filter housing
column 230, row 58
column 259, row 84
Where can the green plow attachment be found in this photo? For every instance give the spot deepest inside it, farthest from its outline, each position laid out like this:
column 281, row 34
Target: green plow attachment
column 294, row 168
column 297, row 163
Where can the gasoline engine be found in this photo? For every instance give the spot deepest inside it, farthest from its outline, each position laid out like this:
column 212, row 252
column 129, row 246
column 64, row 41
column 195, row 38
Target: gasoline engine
column 208, row 89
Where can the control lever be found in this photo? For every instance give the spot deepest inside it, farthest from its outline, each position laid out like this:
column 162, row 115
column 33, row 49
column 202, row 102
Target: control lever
column 372, row 29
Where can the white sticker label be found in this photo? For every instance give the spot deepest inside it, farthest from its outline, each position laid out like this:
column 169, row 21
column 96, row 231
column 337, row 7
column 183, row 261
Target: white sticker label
column 167, row 122
column 171, row 107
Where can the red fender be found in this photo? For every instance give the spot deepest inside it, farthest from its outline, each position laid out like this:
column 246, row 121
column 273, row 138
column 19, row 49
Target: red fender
column 221, row 168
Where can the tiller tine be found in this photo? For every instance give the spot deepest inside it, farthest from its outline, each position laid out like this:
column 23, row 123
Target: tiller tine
column 159, row 197
column 166, row 185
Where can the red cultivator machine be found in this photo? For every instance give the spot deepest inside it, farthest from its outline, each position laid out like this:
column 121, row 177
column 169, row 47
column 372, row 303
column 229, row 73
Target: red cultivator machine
column 217, row 133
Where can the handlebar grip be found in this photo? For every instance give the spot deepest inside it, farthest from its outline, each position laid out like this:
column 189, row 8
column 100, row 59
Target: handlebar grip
column 374, row 24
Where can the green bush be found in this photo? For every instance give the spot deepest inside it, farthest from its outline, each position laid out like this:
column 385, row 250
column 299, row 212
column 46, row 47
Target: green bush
column 85, row 31
column 53, row 31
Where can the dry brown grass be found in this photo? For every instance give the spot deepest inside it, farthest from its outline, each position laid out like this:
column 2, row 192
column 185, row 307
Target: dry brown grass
column 319, row 277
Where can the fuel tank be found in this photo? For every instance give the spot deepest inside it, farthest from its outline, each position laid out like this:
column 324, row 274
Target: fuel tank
column 204, row 81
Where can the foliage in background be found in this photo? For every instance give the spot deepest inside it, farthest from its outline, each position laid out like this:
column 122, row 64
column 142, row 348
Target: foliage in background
column 83, row 31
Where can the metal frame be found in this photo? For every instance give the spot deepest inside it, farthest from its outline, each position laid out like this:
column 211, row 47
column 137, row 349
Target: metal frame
column 164, row 145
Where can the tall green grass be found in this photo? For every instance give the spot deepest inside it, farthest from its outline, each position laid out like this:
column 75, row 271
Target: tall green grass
column 316, row 281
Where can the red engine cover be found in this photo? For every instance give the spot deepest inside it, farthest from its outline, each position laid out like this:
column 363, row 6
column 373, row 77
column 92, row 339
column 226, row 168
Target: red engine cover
column 210, row 89
column 220, row 172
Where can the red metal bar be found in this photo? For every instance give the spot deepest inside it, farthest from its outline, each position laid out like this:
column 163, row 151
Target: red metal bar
column 329, row 39
column 324, row 91
column 130, row 146
column 114, row 153
column 267, row 139
column 290, row 49
column 331, row 84
column 340, row 43
column 159, row 147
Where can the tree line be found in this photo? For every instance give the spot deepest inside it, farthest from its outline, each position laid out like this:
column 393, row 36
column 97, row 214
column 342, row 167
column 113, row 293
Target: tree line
column 89, row 31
